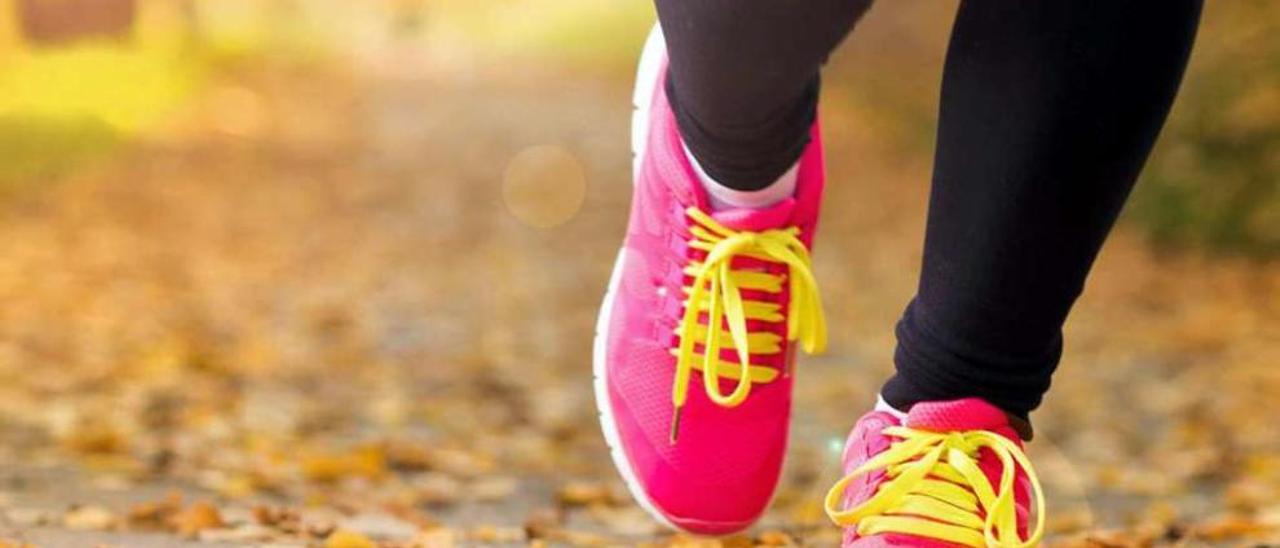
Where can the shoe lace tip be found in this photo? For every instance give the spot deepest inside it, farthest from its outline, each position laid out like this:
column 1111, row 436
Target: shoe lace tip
column 675, row 425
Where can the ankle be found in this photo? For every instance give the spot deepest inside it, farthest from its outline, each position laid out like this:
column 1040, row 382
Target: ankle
column 883, row 406
column 725, row 197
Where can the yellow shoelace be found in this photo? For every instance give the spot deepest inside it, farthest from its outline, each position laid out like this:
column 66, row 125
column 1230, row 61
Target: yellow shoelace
column 717, row 290
column 926, row 492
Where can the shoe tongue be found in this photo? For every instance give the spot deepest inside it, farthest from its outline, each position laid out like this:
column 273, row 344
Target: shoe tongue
column 958, row 416
column 756, row 220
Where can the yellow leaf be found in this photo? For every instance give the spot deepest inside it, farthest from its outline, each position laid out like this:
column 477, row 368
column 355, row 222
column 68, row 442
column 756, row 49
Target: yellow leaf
column 197, row 517
column 366, row 462
column 348, row 539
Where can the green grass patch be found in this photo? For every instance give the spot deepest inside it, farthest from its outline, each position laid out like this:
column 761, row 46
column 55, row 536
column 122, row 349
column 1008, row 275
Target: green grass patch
column 34, row 148
column 63, row 108
column 1214, row 180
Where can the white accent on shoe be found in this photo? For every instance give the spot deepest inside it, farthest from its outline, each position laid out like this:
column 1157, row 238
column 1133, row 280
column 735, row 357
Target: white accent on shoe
column 884, row 406
column 723, row 197
column 642, row 98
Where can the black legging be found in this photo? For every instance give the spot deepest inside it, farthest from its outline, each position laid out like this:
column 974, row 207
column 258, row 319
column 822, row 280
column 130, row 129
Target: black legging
column 1049, row 110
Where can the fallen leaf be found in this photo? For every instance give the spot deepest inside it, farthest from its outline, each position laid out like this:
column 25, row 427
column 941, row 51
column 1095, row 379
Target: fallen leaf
column 154, row 514
column 89, row 518
column 195, row 518
column 284, row 519
column 365, row 462
column 1230, row 527
column 776, row 538
column 348, row 539
column 491, row 534
column 584, row 493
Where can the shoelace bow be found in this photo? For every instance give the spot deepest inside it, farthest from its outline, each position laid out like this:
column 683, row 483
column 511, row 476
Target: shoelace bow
column 717, row 288
column 935, row 489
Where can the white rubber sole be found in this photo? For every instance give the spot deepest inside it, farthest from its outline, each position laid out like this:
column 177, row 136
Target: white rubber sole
column 642, row 98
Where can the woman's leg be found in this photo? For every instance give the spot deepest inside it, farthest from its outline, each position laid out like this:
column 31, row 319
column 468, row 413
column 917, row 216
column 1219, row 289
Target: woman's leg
column 743, row 79
column 1049, row 110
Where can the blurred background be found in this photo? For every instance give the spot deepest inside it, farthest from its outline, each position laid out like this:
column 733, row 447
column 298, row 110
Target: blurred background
column 320, row 272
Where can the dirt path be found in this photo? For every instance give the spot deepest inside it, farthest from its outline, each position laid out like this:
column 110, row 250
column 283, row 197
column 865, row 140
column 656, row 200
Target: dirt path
column 324, row 314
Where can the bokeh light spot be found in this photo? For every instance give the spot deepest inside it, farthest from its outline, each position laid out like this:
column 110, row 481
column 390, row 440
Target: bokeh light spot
column 544, row 186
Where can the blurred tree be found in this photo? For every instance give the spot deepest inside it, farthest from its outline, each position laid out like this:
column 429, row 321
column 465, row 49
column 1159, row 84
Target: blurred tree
column 46, row 22
column 1214, row 181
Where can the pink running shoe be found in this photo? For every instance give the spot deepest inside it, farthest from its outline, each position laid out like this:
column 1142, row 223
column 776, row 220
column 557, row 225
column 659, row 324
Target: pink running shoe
column 703, row 455
column 953, row 475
